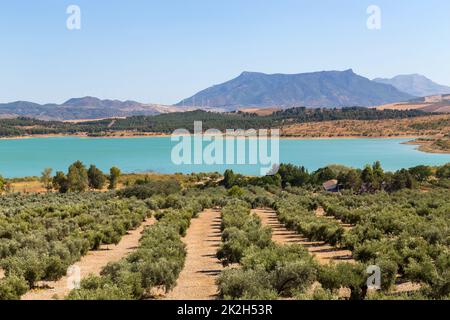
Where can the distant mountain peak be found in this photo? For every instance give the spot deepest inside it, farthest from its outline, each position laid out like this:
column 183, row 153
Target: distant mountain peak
column 82, row 100
column 78, row 108
column 415, row 84
column 314, row 89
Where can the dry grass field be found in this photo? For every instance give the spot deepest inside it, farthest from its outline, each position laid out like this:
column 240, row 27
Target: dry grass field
column 371, row 129
column 438, row 103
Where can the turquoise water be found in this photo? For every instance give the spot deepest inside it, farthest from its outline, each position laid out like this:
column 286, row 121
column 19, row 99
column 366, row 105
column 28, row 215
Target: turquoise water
column 28, row 157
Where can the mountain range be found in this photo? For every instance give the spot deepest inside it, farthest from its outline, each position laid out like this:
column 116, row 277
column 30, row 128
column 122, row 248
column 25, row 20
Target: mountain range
column 82, row 108
column 326, row 89
column 416, row 85
column 252, row 90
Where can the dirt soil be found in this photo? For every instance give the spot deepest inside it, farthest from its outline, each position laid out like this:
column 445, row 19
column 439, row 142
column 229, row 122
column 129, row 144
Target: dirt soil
column 92, row 263
column 197, row 280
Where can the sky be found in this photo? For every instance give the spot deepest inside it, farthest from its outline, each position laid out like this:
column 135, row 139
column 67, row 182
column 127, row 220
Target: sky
column 162, row 51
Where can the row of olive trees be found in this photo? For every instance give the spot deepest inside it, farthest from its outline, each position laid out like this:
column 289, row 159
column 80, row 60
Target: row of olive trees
column 79, row 178
column 407, row 232
column 156, row 263
column 43, row 234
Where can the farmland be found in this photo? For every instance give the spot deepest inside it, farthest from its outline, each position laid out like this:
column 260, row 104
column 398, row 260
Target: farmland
column 234, row 237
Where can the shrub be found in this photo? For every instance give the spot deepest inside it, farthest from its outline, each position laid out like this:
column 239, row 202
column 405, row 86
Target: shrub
column 245, row 284
column 240, row 231
column 144, row 191
column 12, row 288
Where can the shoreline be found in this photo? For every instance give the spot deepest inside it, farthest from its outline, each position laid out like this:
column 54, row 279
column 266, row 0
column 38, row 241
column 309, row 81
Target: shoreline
column 412, row 139
column 163, row 135
column 426, row 146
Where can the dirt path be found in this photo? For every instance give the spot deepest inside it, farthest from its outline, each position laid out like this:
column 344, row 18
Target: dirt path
column 323, row 252
column 92, row 263
column 320, row 212
column 197, row 280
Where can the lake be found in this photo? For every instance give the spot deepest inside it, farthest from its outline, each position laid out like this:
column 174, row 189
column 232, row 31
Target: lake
column 28, row 157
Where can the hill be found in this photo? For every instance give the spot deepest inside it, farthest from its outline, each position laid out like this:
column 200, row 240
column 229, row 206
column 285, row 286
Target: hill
column 416, row 85
column 86, row 108
column 438, row 103
column 81, row 109
column 318, row 89
column 75, row 109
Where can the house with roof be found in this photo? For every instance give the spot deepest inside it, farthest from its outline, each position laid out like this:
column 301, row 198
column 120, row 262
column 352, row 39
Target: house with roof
column 331, row 185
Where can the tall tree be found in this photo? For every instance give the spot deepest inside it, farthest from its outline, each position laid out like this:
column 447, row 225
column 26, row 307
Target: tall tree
column 114, row 174
column 293, row 175
column 96, row 178
column 2, row 184
column 77, row 177
column 402, row 179
column 378, row 176
column 229, row 179
column 60, row 182
column 350, row 180
column 46, row 179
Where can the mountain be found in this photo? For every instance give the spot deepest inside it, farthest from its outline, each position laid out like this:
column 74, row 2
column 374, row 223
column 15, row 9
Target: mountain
column 79, row 108
column 87, row 108
column 98, row 103
column 317, row 89
column 416, row 85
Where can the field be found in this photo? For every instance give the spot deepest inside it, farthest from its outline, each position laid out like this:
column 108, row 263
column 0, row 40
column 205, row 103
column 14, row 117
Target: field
column 413, row 127
column 233, row 237
column 438, row 103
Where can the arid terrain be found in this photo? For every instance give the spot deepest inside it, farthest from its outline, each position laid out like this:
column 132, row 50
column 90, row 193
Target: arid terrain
column 438, row 103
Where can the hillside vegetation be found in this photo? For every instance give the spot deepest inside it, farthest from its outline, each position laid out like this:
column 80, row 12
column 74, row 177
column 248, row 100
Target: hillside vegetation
column 167, row 123
column 399, row 222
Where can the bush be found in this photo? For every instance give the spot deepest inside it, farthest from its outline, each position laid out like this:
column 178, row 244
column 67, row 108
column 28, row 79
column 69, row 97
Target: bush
column 245, row 284
column 12, row 288
column 157, row 262
column 150, row 188
column 345, row 275
column 290, row 268
column 240, row 231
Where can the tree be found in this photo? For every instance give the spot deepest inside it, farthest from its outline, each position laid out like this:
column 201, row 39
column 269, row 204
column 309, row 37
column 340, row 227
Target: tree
column 367, row 175
column 60, row 182
column 402, row 179
column 77, row 177
column 293, row 175
column 235, row 191
column 421, row 173
column 46, row 179
column 114, row 174
column 444, row 171
column 323, row 174
column 12, row 288
column 378, row 176
column 2, row 184
column 96, row 178
column 350, row 180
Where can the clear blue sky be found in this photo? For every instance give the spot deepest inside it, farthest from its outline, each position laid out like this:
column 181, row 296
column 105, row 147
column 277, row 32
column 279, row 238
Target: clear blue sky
column 162, row 51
